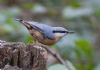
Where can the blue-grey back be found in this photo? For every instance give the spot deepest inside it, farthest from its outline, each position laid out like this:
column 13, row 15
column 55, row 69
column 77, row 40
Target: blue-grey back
column 46, row 29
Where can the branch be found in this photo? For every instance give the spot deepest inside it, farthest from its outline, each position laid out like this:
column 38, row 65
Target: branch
column 55, row 55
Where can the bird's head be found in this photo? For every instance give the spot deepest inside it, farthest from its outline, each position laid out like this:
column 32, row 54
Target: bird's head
column 61, row 32
column 27, row 24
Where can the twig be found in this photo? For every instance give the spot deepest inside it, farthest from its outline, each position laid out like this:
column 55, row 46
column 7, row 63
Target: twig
column 56, row 55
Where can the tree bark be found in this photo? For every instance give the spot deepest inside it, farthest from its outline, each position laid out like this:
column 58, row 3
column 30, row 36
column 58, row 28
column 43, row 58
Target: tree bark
column 18, row 56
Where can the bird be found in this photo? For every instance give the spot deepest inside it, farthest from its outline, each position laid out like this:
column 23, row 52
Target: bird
column 43, row 33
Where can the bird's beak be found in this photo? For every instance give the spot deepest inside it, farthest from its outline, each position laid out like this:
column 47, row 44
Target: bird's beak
column 20, row 20
column 25, row 23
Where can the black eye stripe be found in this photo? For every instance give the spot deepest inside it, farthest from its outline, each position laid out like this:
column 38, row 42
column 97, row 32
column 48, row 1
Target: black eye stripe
column 59, row 31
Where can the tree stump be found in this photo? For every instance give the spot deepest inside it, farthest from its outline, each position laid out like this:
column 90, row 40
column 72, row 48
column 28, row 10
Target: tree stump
column 18, row 56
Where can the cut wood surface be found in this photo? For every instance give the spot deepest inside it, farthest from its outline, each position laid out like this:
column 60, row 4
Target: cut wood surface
column 18, row 56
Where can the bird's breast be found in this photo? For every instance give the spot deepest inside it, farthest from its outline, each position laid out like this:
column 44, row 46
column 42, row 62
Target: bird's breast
column 40, row 38
column 48, row 42
column 36, row 34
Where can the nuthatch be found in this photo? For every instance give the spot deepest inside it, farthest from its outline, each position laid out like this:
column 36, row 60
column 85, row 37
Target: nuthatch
column 43, row 33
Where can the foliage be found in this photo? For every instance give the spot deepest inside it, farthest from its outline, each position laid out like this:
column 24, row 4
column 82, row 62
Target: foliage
column 84, row 54
column 81, row 54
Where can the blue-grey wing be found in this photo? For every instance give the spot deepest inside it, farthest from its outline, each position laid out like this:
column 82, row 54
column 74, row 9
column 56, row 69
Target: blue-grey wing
column 46, row 30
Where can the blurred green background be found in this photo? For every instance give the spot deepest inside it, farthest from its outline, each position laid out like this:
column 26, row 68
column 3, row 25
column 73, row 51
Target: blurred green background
column 80, row 50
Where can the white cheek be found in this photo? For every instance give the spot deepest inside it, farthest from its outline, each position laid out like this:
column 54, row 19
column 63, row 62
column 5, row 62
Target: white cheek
column 60, row 34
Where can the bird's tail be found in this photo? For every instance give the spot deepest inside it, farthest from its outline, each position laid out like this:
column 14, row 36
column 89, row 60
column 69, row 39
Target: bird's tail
column 70, row 32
